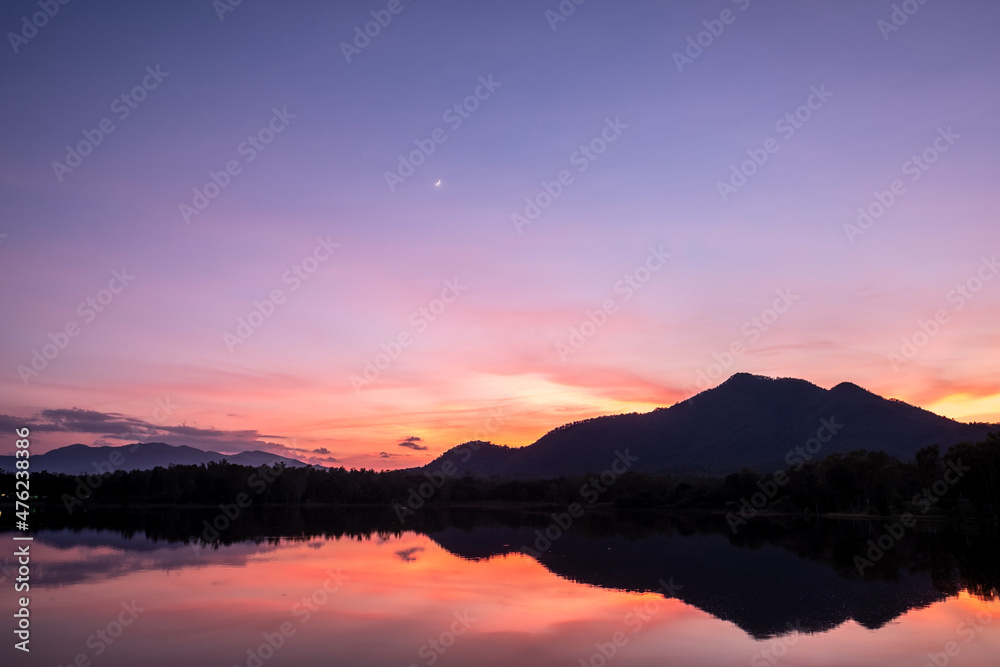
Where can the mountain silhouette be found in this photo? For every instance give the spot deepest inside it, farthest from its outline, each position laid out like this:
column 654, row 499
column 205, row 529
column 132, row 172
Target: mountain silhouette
column 82, row 459
column 748, row 421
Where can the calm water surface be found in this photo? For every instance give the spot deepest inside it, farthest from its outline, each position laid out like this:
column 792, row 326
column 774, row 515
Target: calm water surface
column 467, row 590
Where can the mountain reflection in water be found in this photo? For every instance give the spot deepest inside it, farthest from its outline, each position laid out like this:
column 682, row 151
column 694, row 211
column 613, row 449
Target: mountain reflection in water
column 789, row 587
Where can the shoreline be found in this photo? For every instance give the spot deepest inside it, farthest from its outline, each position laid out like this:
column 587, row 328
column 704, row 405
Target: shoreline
column 528, row 508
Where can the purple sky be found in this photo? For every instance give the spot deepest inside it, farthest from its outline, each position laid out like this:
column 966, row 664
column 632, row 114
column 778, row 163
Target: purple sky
column 678, row 261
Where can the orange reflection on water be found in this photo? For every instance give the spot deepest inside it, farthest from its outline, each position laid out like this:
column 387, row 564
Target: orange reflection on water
column 398, row 594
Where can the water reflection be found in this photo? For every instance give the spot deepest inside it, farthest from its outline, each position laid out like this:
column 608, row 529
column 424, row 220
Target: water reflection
column 462, row 579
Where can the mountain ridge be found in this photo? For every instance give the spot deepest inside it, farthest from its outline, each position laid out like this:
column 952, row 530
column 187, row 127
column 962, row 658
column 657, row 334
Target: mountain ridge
column 78, row 458
column 750, row 421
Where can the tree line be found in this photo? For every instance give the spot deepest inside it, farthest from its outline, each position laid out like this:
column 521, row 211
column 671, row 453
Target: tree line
column 964, row 480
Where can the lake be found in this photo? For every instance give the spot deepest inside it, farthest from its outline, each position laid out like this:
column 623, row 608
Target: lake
column 326, row 586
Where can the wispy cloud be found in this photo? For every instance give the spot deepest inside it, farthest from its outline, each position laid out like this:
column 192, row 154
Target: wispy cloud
column 411, row 443
column 111, row 427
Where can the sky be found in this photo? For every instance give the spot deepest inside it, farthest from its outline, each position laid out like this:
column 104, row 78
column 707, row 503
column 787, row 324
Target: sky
column 255, row 226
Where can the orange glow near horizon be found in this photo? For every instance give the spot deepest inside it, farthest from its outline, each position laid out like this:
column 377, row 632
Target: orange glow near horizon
column 531, row 406
column 967, row 407
column 513, row 410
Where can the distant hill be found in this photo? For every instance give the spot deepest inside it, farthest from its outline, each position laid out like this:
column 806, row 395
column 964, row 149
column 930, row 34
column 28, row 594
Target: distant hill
column 748, row 421
column 76, row 459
